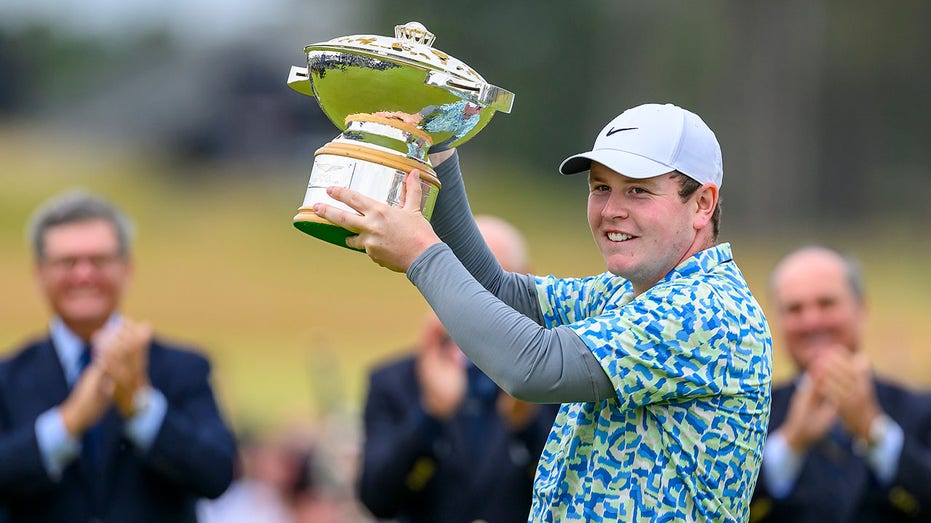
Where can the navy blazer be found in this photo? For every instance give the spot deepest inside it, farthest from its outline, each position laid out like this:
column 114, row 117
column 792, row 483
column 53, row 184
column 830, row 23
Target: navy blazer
column 417, row 469
column 191, row 457
column 836, row 485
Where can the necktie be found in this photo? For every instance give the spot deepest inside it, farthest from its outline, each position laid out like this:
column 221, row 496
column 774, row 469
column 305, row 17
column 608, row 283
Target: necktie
column 90, row 446
column 85, row 359
column 90, row 442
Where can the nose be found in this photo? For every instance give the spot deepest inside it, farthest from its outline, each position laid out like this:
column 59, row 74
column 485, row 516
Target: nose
column 810, row 319
column 615, row 206
column 83, row 269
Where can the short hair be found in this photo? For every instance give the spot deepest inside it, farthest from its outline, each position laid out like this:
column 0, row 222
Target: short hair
column 687, row 187
column 854, row 275
column 853, row 269
column 77, row 206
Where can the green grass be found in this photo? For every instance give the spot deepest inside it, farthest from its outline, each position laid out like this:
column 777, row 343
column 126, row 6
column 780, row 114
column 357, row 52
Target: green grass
column 292, row 323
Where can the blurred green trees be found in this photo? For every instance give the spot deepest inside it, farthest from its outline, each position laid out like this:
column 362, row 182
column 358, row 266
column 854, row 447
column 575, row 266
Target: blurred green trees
column 821, row 106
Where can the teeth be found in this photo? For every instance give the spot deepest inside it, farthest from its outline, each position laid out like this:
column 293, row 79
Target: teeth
column 618, row 236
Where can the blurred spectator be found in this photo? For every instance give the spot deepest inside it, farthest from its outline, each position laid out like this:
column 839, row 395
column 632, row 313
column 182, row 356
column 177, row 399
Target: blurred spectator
column 285, row 476
column 442, row 442
column 335, row 472
column 273, row 474
column 844, row 445
column 99, row 421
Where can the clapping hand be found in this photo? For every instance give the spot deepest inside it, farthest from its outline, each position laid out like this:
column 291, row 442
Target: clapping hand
column 124, row 356
column 441, row 371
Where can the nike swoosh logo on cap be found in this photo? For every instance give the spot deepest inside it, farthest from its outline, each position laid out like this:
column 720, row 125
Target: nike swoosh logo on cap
column 613, row 130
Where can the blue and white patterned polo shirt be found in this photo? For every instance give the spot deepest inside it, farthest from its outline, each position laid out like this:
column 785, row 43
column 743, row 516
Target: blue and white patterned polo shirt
column 691, row 361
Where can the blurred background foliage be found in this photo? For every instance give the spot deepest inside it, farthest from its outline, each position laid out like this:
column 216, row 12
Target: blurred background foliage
column 179, row 112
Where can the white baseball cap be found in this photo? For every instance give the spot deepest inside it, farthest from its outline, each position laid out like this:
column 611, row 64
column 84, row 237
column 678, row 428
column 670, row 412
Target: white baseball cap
column 653, row 139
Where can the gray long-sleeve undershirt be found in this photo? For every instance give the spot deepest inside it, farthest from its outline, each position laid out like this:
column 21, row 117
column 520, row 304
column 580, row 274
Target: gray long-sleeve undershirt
column 494, row 315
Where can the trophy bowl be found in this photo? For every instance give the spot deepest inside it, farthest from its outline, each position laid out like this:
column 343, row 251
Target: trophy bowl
column 393, row 99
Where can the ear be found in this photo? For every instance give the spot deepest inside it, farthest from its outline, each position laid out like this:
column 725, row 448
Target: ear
column 706, row 200
column 862, row 313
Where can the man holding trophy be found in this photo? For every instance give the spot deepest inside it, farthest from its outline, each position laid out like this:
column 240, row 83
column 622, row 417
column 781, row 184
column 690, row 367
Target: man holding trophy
column 662, row 363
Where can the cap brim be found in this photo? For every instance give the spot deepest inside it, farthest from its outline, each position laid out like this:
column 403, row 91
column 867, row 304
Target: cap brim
column 622, row 162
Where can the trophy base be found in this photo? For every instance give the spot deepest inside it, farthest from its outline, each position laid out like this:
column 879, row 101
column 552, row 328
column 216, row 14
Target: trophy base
column 308, row 222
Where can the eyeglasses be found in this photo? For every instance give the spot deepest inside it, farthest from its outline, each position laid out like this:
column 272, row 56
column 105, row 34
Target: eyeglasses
column 98, row 262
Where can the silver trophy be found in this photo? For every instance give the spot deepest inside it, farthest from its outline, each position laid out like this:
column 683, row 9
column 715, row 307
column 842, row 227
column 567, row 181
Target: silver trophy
column 392, row 99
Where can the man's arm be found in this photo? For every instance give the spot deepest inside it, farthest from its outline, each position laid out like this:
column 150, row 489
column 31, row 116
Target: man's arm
column 455, row 225
column 397, row 456
column 914, row 463
column 21, row 466
column 504, row 338
column 194, row 447
column 528, row 361
column 33, row 455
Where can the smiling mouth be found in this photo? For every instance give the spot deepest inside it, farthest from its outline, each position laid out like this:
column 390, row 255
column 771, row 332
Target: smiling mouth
column 80, row 292
column 619, row 237
column 820, row 338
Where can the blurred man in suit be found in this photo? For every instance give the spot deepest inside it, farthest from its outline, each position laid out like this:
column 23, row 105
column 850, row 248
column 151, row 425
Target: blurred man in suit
column 99, row 420
column 442, row 442
column 844, row 445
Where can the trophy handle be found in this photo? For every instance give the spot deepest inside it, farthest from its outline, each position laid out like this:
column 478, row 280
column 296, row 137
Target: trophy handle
column 486, row 94
column 299, row 80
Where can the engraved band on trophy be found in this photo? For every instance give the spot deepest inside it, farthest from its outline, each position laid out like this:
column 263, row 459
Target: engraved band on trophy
column 392, row 99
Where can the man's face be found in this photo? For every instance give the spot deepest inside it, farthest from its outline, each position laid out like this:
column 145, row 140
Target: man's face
column 82, row 273
column 817, row 309
column 642, row 227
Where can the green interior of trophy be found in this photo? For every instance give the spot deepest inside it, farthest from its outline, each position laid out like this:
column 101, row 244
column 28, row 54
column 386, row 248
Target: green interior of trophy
column 325, row 231
column 349, row 90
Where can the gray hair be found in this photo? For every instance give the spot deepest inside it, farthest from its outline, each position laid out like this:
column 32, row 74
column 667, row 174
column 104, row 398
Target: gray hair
column 76, row 206
column 853, row 269
column 854, row 275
